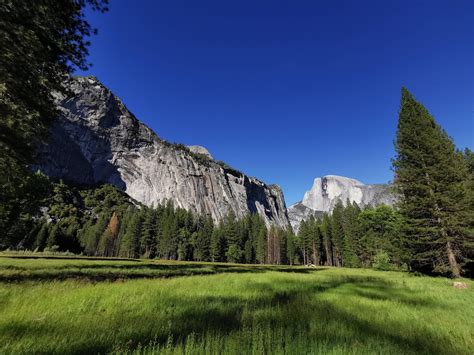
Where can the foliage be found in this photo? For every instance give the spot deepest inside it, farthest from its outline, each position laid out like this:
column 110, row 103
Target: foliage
column 352, row 237
column 381, row 261
column 103, row 221
column 234, row 254
column 42, row 42
column 431, row 179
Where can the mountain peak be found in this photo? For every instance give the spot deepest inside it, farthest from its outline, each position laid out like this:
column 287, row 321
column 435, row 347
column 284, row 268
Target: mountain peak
column 340, row 178
column 328, row 190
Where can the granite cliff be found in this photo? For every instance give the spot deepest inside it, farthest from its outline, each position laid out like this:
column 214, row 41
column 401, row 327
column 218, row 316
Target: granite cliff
column 98, row 140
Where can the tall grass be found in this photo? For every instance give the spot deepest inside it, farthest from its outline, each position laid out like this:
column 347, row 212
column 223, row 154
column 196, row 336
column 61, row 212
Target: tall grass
column 82, row 306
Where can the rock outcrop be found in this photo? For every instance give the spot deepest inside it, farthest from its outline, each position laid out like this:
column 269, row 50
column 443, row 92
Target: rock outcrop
column 330, row 189
column 198, row 149
column 98, row 140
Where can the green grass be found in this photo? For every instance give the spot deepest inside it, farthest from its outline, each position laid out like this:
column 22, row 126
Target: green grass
column 80, row 305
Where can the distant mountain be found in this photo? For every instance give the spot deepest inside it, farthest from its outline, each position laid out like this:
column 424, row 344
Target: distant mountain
column 328, row 190
column 98, row 140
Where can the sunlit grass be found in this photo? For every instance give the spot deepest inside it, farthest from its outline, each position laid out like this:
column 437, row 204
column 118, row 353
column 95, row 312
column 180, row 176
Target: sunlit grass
column 91, row 306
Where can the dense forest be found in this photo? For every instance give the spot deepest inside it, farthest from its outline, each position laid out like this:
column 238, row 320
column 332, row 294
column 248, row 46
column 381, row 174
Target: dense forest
column 104, row 221
column 351, row 237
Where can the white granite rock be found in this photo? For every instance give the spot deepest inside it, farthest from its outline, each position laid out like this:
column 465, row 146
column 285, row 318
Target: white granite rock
column 328, row 190
column 97, row 140
column 198, row 149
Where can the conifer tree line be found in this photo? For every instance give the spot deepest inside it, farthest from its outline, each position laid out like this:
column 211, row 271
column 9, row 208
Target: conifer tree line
column 351, row 237
column 104, row 221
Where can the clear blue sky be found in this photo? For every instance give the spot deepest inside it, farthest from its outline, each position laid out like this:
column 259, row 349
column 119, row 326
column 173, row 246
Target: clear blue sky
column 289, row 90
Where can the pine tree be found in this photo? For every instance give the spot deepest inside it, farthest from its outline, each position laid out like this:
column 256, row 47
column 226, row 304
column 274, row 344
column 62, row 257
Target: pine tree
column 273, row 246
column 327, row 242
column 148, row 234
column 261, row 245
column 93, row 232
column 429, row 177
column 41, row 43
column 249, row 252
column 218, row 245
column 351, row 241
column 168, row 242
column 234, row 254
column 231, row 233
column 291, row 248
column 337, row 233
column 468, row 242
column 283, row 235
column 107, row 243
column 54, row 237
column 42, row 236
column 304, row 237
column 183, row 250
column 258, row 235
column 316, row 243
column 130, row 241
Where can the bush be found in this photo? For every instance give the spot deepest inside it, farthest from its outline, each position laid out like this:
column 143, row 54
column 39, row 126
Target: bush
column 234, row 254
column 382, row 261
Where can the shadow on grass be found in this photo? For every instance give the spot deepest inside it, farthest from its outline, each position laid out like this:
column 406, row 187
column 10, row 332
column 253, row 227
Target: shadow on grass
column 110, row 271
column 294, row 311
column 293, row 307
column 64, row 257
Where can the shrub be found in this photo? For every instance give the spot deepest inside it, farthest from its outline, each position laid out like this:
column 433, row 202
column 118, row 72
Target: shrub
column 381, row 261
column 234, row 254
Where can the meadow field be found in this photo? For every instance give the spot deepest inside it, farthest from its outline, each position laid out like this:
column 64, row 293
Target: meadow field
column 84, row 305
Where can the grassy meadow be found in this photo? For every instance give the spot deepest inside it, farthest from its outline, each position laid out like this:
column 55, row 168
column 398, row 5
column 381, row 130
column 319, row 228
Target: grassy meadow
column 84, row 305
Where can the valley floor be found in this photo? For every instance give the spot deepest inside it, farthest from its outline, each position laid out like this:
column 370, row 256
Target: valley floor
column 86, row 305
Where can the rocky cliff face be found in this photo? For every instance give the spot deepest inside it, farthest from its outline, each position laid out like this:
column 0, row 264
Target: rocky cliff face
column 328, row 190
column 97, row 140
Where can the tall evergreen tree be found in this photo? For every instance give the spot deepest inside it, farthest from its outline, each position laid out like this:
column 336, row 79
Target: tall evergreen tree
column 468, row 242
column 230, row 230
column 273, row 246
column 261, row 244
column 317, row 244
column 337, row 233
column 304, row 237
column 327, row 240
column 202, row 239
column 92, row 233
column 218, row 245
column 130, row 241
column 148, row 234
column 430, row 177
column 351, row 243
column 42, row 42
column 107, row 243
column 291, row 248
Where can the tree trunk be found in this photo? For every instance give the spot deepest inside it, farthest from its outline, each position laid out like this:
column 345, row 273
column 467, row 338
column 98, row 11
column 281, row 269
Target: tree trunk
column 455, row 269
column 315, row 254
column 328, row 254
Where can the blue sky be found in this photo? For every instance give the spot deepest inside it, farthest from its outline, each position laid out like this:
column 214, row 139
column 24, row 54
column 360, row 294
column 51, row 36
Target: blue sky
column 289, row 90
